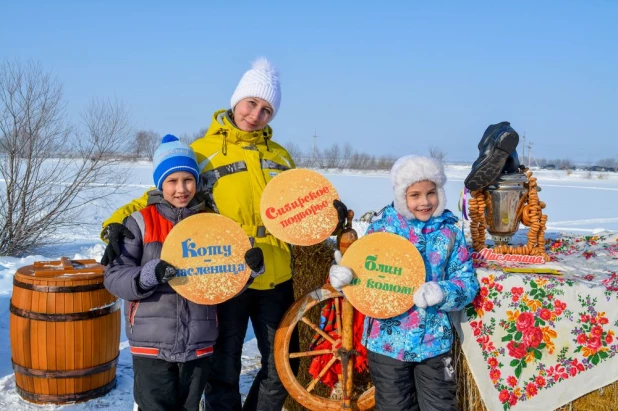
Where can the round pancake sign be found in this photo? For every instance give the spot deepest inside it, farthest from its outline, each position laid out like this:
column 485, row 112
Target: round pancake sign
column 209, row 252
column 297, row 207
column 388, row 270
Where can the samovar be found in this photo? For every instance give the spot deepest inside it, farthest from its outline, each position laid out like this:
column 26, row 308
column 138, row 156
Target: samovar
column 504, row 198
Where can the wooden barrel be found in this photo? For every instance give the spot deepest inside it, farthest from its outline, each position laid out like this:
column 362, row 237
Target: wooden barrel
column 65, row 332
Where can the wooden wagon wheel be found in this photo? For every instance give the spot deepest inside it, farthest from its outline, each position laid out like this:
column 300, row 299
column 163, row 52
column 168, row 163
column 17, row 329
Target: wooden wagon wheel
column 342, row 349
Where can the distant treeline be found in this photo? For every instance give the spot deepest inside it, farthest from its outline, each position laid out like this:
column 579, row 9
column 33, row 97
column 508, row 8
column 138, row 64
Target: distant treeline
column 144, row 143
column 606, row 164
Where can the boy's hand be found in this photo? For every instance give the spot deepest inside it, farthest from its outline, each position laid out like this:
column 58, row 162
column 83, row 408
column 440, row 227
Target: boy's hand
column 113, row 233
column 428, row 294
column 164, row 272
column 339, row 275
column 156, row 272
column 254, row 258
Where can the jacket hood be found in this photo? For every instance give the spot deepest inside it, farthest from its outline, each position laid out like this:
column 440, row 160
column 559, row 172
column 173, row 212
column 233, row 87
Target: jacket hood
column 412, row 169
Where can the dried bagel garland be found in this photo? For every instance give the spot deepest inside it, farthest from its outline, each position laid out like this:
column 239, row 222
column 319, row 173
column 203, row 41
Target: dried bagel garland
column 476, row 209
column 529, row 213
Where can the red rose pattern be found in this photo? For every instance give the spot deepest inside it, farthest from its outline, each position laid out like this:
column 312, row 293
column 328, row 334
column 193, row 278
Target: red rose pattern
column 524, row 321
column 533, row 337
column 516, row 350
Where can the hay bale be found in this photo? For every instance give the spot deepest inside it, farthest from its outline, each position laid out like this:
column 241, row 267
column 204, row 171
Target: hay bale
column 468, row 395
column 603, row 399
column 311, row 265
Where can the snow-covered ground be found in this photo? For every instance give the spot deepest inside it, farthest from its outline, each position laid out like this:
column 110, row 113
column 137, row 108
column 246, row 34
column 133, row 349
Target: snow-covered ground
column 580, row 202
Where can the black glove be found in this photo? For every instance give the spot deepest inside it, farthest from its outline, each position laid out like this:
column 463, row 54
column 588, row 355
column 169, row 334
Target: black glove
column 164, row 272
column 113, row 233
column 254, row 258
column 342, row 213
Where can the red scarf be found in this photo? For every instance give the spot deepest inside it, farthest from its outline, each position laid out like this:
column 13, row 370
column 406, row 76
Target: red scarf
column 328, row 324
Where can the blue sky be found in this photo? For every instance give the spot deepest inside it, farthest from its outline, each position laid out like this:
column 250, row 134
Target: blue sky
column 388, row 77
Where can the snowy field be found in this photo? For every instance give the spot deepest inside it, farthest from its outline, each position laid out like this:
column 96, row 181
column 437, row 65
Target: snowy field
column 582, row 202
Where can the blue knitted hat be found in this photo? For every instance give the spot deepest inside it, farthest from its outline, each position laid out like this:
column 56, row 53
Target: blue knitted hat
column 171, row 156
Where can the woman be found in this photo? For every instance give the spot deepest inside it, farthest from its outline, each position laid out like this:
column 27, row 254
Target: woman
column 237, row 158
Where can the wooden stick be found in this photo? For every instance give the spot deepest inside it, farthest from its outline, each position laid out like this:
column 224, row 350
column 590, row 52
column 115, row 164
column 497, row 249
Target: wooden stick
column 348, row 345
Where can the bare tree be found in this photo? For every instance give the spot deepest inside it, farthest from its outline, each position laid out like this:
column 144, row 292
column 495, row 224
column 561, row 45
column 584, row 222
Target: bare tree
column 346, row 156
column 384, row 163
column 330, row 156
column 317, row 159
column 542, row 162
column 185, row 138
column 190, row 138
column 564, row 164
column 296, row 153
column 199, row 134
column 437, row 153
column 44, row 192
column 362, row 161
column 145, row 143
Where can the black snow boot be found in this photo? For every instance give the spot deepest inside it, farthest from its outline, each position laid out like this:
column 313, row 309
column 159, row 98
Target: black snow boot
column 498, row 142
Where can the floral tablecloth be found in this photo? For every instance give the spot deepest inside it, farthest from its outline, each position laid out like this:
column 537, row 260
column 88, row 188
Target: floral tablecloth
column 537, row 342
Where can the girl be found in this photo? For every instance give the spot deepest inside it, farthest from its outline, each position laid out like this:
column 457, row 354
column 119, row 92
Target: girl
column 410, row 355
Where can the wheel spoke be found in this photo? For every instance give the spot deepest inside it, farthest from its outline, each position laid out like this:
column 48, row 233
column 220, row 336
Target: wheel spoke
column 313, row 382
column 310, row 353
column 337, row 315
column 318, row 330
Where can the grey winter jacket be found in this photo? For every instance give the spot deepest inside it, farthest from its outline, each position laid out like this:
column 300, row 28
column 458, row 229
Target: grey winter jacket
column 159, row 322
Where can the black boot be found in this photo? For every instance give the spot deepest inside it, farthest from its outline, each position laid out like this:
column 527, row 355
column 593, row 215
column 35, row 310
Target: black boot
column 498, row 142
column 512, row 165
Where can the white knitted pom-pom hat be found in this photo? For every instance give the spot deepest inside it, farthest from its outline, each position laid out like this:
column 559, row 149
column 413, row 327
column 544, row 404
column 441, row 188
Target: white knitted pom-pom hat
column 261, row 81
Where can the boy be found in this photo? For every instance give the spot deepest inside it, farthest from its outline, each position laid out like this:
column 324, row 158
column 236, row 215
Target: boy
column 171, row 338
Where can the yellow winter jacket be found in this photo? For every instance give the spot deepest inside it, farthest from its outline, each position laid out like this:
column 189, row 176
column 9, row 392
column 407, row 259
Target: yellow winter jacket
column 235, row 167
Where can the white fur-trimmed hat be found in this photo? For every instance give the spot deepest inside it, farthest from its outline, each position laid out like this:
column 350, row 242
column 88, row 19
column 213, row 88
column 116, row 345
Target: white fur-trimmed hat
column 261, row 81
column 411, row 169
